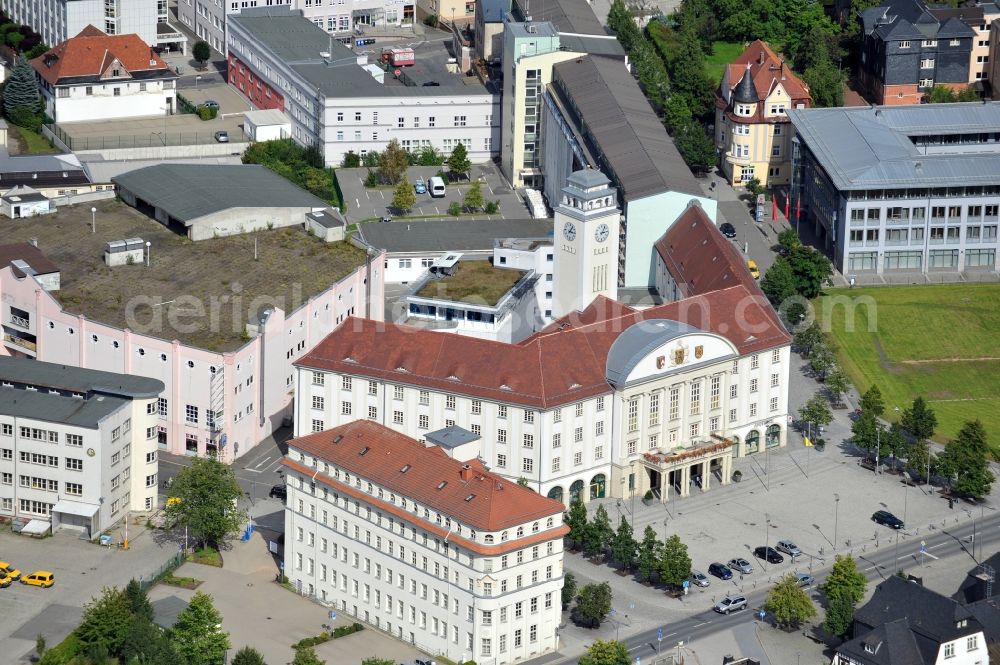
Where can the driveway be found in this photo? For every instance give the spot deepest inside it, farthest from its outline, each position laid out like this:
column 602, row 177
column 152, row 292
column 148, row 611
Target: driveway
column 371, row 204
column 258, row 612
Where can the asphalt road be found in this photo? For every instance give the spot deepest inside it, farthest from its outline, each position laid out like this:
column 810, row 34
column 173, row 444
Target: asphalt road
column 877, row 566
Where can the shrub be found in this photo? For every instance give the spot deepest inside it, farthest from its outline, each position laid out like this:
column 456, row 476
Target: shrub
column 372, row 179
column 455, row 209
column 431, row 20
column 207, row 113
column 23, row 116
column 492, row 207
column 351, row 160
column 343, row 631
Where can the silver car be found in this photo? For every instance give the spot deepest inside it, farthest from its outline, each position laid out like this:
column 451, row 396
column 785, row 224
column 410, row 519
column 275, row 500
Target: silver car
column 698, row 578
column 731, row 604
column 788, row 547
column 805, row 580
column 740, row 565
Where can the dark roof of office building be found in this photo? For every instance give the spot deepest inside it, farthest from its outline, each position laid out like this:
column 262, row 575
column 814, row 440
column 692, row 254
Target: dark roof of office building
column 189, row 191
column 493, row 11
column 55, row 408
column 592, row 44
column 29, row 254
column 290, row 36
column 41, row 171
column 896, row 20
column 24, row 195
column 67, row 378
column 892, row 643
column 449, row 235
column 871, row 147
column 622, row 129
column 575, row 16
column 929, row 614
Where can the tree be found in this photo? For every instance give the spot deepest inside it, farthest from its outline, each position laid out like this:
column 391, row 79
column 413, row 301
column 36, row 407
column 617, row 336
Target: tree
column 789, row 602
column 21, row 90
column 250, row 656
column 826, row 84
column 474, row 200
column 919, row 420
column 918, row 460
column 599, row 533
column 106, row 622
column 207, row 492
column 965, row 460
column 592, row 604
column 807, row 338
column 40, row 645
column 754, row 188
column 606, row 652
column 779, row 283
column 894, row 443
column 201, row 52
column 403, row 198
column 675, row 564
column 576, row 520
column 821, row 361
column 196, row 635
column 845, row 578
column 138, row 602
column 307, row 656
column 392, row 163
column 839, row 614
column 789, row 240
column 623, row 545
column 649, row 553
column 569, row 589
column 686, row 69
column 351, row 160
column 696, row 147
column 148, row 644
column 458, row 161
column 676, row 113
column 836, row 382
column 811, row 269
column 867, row 431
column 872, row 402
column 816, row 411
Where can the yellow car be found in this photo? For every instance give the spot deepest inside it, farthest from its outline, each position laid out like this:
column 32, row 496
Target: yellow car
column 42, row 578
column 9, row 571
column 752, row 267
column 5, row 581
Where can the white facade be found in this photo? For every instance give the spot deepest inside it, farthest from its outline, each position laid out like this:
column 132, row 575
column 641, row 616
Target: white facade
column 527, row 254
column 466, row 593
column 214, row 403
column 109, row 99
column 65, row 472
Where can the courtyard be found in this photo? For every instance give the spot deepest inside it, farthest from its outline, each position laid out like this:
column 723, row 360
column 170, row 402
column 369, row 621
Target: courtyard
column 935, row 341
column 228, row 276
column 152, row 132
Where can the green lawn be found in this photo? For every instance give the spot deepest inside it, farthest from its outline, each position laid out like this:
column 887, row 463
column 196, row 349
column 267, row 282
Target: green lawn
column 722, row 54
column 937, row 341
column 33, row 143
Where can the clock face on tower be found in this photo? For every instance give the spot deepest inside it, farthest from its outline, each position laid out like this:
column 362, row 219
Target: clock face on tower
column 569, row 230
column 601, row 233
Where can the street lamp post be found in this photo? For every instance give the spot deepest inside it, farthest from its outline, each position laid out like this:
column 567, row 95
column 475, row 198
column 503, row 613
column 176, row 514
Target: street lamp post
column 767, row 527
column 93, row 220
column 836, row 519
column 878, row 443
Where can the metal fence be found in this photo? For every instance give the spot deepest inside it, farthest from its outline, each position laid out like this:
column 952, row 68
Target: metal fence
column 166, row 569
column 158, row 139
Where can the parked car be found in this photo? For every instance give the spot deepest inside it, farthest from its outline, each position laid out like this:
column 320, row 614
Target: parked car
column 278, row 492
column 210, row 103
column 885, row 518
column 769, row 554
column 741, row 565
column 789, row 548
column 731, row 604
column 805, row 579
column 9, row 571
column 720, row 571
column 698, row 578
column 728, row 230
column 5, row 581
column 42, row 578
column 752, row 267
column 420, row 187
column 222, row 136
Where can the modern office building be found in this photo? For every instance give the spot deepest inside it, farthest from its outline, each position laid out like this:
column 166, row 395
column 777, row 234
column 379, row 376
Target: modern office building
column 95, row 76
column 907, row 50
column 77, row 446
column 979, row 16
column 901, row 189
column 752, row 132
column 58, row 20
column 336, row 99
column 436, row 551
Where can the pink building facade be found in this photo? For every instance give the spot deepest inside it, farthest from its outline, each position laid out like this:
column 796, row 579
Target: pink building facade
column 213, row 403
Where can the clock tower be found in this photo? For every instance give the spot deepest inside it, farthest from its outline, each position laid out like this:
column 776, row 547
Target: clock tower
column 585, row 242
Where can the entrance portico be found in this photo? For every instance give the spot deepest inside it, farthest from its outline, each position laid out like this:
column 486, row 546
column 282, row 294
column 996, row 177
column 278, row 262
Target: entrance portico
column 658, row 472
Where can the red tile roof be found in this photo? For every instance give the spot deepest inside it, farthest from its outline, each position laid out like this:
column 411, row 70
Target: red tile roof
column 91, row 52
column 699, row 257
column 767, row 70
column 553, row 367
column 376, row 453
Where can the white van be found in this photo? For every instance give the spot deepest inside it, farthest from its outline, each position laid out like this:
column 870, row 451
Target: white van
column 435, row 186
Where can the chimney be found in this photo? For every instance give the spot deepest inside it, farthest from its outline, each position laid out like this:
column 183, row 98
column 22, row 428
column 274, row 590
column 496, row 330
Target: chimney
column 760, row 61
column 33, row 242
column 466, row 472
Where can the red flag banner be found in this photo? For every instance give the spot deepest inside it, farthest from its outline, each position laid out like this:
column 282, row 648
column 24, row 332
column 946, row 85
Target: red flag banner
column 774, row 208
column 798, row 208
column 788, row 206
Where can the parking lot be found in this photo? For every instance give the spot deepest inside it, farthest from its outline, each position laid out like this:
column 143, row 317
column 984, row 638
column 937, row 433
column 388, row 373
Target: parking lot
column 177, row 129
column 81, row 569
column 230, row 101
column 370, row 204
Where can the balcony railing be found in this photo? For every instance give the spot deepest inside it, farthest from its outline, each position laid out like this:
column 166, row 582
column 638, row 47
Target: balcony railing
column 20, row 321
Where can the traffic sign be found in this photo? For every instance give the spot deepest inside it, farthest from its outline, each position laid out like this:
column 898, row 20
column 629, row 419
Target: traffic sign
column 659, row 634
column 333, row 615
column 686, row 584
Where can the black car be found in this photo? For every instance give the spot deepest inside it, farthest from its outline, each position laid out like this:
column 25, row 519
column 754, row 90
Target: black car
column 728, row 230
column 721, row 571
column 769, row 554
column 278, row 492
column 886, row 518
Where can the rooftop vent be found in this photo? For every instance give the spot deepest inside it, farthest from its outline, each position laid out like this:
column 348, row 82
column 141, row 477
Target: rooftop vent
column 442, row 484
column 338, row 438
column 406, row 467
column 470, row 498
column 364, row 450
column 466, row 472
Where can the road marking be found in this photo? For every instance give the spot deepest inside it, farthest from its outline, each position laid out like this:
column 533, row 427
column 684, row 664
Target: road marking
column 703, row 623
column 357, row 203
column 263, row 462
column 925, row 553
column 164, row 461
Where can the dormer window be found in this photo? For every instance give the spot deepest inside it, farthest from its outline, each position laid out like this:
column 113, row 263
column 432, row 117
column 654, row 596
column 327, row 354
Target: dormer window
column 744, row 110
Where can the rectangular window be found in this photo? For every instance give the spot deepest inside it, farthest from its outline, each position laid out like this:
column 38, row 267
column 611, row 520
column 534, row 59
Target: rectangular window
column 529, row 441
column 527, row 464
column 75, row 440
column 423, row 422
column 695, row 399
column 654, row 409
column 555, row 464
column 714, row 392
column 317, row 425
column 346, row 408
column 449, row 402
column 317, row 403
column 675, row 401
column 633, row 415
column 501, row 461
